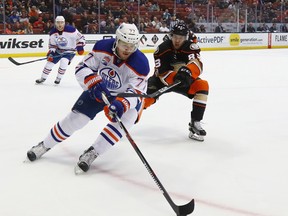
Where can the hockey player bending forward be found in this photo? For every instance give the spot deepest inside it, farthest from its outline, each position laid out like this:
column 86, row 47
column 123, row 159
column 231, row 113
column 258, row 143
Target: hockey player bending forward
column 64, row 41
column 114, row 66
column 179, row 59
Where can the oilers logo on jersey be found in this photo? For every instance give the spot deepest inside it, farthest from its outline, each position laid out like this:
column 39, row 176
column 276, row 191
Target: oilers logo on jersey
column 111, row 78
column 62, row 42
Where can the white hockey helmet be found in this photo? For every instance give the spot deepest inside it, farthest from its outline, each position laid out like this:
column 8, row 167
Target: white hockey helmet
column 60, row 23
column 127, row 33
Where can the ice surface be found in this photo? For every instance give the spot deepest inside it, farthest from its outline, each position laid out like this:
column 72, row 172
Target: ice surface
column 240, row 168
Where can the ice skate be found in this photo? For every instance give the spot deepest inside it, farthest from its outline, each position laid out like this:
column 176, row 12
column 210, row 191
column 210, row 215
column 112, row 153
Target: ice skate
column 37, row 151
column 85, row 160
column 196, row 131
column 57, row 81
column 39, row 81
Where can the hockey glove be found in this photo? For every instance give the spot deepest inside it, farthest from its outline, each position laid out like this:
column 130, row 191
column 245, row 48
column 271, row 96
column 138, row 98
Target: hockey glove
column 118, row 107
column 80, row 50
column 50, row 55
column 96, row 86
column 184, row 75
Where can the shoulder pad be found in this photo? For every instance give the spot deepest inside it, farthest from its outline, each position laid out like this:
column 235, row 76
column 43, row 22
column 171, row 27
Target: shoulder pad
column 69, row 28
column 139, row 62
column 53, row 31
column 104, row 45
column 163, row 47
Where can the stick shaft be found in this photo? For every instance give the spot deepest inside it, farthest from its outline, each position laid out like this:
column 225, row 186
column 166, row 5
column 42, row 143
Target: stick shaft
column 179, row 210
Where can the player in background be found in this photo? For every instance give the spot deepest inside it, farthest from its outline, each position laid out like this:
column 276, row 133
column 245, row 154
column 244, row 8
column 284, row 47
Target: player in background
column 179, row 59
column 64, row 41
column 114, row 66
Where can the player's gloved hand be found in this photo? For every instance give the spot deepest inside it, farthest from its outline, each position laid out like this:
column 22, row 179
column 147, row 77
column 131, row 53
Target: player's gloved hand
column 50, row 55
column 118, row 107
column 96, row 86
column 184, row 75
column 80, row 50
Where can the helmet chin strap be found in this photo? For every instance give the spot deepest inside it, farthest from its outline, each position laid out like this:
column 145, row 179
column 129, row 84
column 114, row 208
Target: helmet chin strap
column 114, row 48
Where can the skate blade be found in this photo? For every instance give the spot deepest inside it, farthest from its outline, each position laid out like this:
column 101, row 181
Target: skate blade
column 78, row 170
column 196, row 137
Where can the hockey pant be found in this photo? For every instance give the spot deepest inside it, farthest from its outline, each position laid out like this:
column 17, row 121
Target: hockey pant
column 84, row 110
column 64, row 63
column 198, row 91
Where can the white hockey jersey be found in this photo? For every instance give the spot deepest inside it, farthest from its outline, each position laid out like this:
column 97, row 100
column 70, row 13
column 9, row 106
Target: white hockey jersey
column 118, row 75
column 65, row 41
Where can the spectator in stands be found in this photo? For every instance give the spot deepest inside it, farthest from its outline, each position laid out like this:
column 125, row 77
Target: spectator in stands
column 219, row 28
column 117, row 23
column 93, row 7
column 153, row 6
column 58, row 7
column 85, row 21
column 94, row 18
column 173, row 22
column 133, row 20
column 142, row 26
column 93, row 29
column 284, row 28
column 202, row 19
column 8, row 29
column 39, row 24
column 103, row 9
column 13, row 17
column 17, row 28
column 164, row 28
column 263, row 28
column 111, row 27
column 273, row 28
column 24, row 17
column 250, row 28
column 147, row 23
column 33, row 14
column 103, row 27
column 166, row 16
column 193, row 27
column 79, row 8
column 125, row 20
column 202, row 29
column 49, row 25
column 156, row 24
column 72, row 8
column 28, row 28
column 43, row 8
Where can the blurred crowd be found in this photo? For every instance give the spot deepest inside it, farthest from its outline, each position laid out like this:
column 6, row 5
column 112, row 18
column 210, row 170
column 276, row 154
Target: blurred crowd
column 151, row 16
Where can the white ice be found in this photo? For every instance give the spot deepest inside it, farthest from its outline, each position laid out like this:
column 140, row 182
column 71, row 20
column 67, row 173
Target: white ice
column 240, row 168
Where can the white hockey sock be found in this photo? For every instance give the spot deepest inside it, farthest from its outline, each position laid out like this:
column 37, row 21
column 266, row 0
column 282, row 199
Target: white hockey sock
column 65, row 128
column 107, row 138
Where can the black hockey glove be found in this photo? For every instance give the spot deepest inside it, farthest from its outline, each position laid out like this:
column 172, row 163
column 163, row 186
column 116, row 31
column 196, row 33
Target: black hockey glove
column 184, row 75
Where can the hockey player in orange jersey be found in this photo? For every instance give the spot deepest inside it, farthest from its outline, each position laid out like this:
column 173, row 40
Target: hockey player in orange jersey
column 179, row 59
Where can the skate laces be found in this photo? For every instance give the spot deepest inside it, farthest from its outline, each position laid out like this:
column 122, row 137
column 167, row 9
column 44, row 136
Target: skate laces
column 89, row 156
column 197, row 125
column 39, row 149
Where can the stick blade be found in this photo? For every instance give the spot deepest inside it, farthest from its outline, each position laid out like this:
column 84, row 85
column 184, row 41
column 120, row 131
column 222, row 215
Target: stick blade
column 186, row 209
column 13, row 61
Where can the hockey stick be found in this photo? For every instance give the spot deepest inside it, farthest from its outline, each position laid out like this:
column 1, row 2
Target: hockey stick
column 182, row 210
column 28, row 62
column 18, row 63
column 153, row 95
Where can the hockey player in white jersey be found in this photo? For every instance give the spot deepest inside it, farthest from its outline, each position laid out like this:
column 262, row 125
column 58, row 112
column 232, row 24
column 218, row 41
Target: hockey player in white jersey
column 114, row 66
column 64, row 41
